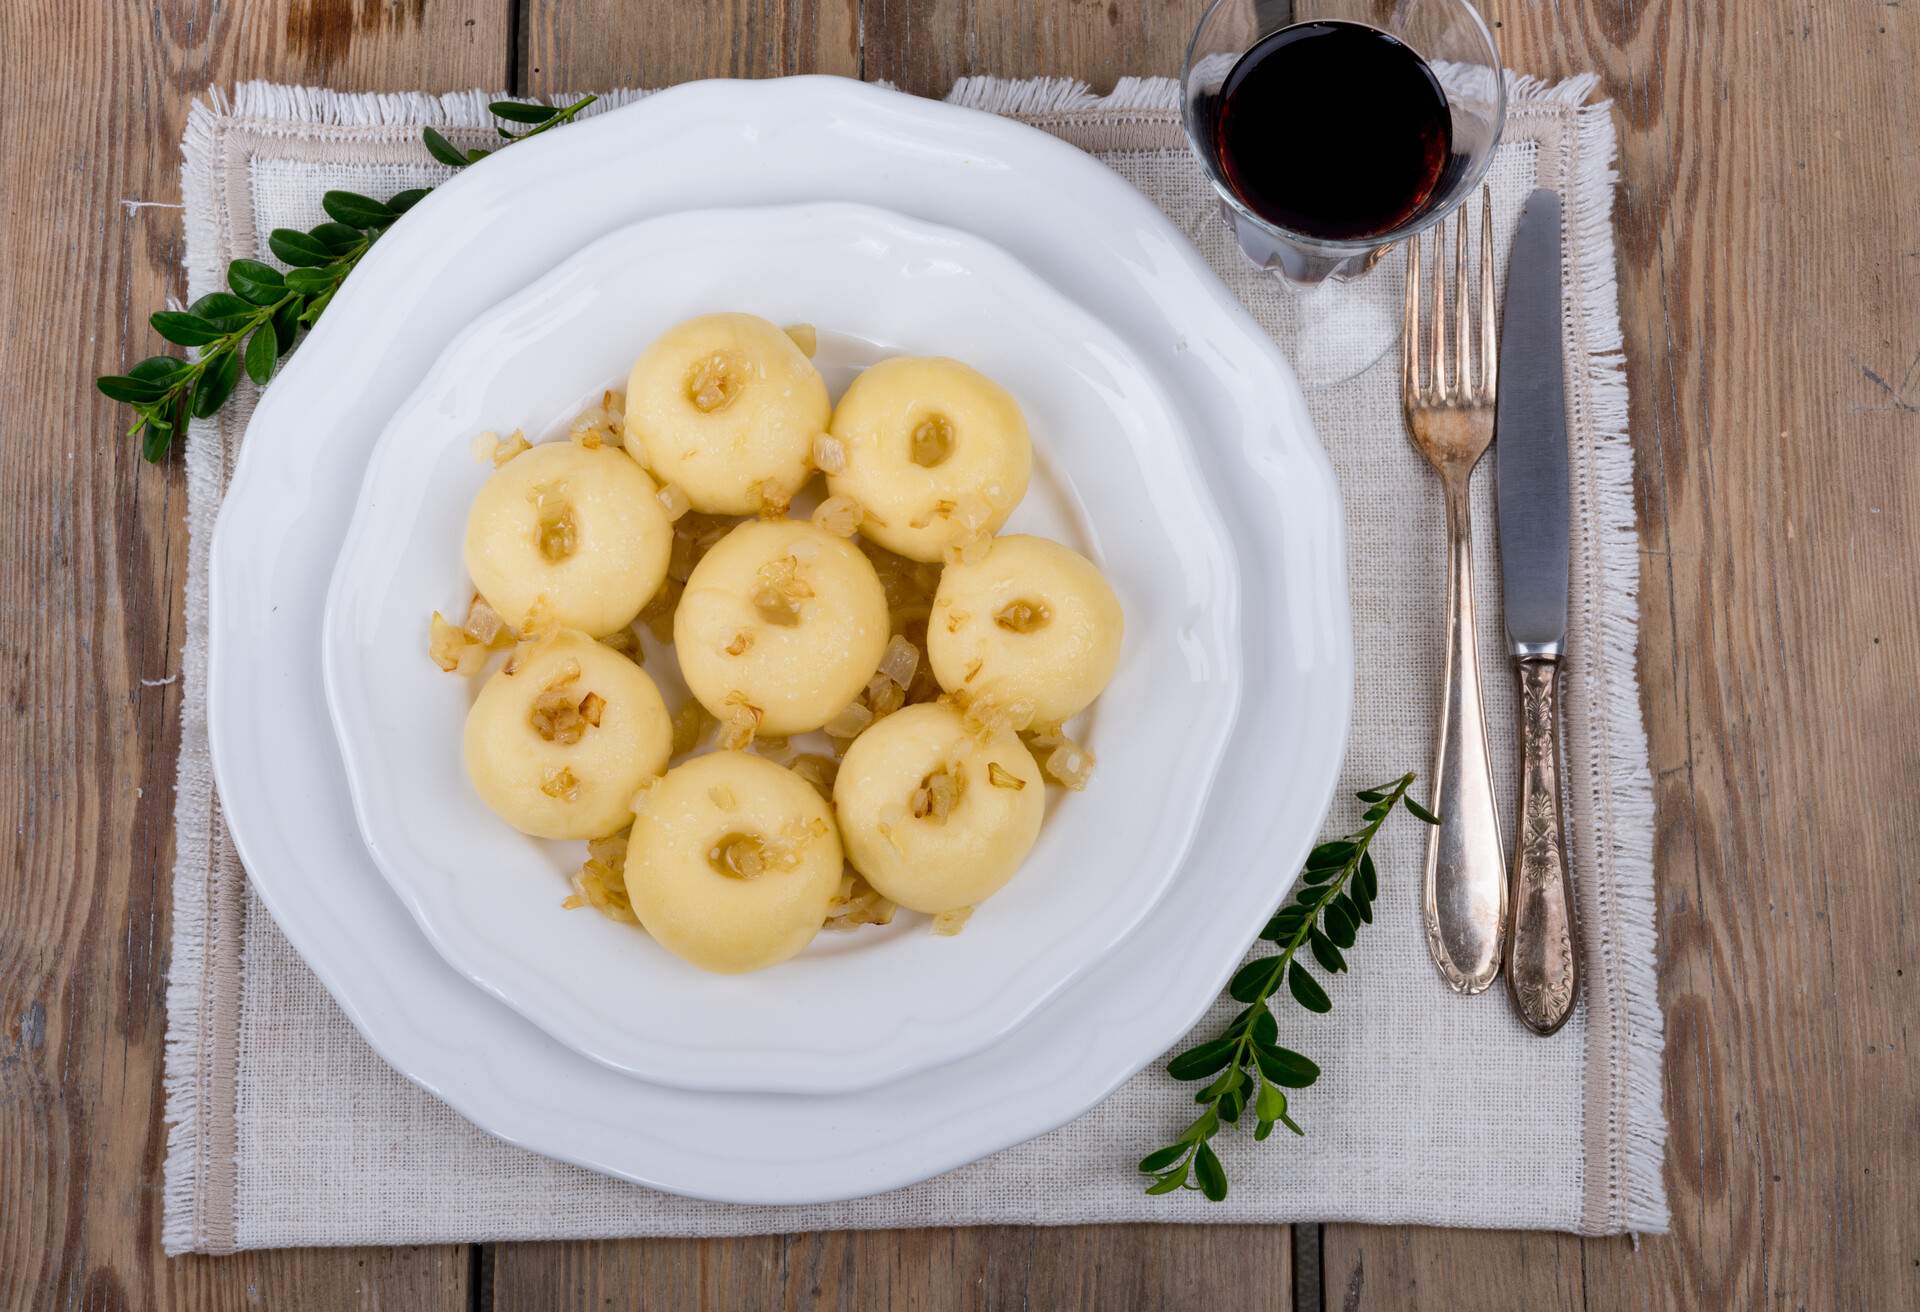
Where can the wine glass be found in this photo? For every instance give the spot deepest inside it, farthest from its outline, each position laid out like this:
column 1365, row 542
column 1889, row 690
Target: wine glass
column 1343, row 327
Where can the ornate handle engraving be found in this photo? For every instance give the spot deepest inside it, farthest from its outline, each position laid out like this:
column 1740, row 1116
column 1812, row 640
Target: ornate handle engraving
column 1543, row 974
column 1464, row 901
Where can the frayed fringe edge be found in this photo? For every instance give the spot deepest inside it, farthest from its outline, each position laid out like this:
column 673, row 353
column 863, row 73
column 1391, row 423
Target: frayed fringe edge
column 1637, row 1199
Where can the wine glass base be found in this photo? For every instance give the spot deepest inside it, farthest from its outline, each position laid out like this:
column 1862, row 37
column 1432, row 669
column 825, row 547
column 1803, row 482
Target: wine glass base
column 1340, row 329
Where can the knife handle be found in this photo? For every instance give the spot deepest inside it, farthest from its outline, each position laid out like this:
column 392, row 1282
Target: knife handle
column 1543, row 972
column 1464, row 894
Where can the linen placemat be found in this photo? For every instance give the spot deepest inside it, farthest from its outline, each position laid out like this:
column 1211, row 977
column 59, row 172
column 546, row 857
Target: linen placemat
column 287, row 1130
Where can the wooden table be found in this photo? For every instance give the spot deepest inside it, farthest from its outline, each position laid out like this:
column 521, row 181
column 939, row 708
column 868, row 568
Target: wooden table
column 1769, row 229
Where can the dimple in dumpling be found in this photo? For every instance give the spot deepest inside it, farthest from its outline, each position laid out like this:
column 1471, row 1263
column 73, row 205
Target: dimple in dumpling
column 935, row 451
column 1032, row 621
column 580, row 528
column 785, row 618
column 933, row 817
column 558, row 747
column 727, row 406
column 732, row 862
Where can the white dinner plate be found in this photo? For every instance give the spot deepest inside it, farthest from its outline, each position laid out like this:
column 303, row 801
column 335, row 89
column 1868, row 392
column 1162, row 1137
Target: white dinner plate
column 1114, row 477
column 491, row 230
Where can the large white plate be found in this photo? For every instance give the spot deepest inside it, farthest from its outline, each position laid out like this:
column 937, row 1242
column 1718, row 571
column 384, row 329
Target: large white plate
column 1114, row 476
column 491, row 230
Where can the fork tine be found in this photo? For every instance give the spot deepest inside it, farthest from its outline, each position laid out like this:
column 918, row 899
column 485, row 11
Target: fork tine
column 1437, row 337
column 1463, row 375
column 1410, row 329
column 1489, row 347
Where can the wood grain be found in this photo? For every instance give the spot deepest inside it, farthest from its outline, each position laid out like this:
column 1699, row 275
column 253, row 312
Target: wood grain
column 1770, row 288
column 978, row 1269
column 90, row 629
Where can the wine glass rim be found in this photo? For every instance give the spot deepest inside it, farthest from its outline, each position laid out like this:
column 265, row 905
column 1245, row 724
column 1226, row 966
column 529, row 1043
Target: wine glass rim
column 1463, row 188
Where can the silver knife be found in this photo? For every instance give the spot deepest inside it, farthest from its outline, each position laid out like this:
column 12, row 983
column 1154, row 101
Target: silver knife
column 1532, row 505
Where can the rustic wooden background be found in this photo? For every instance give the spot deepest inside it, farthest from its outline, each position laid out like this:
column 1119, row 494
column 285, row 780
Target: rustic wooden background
column 1770, row 274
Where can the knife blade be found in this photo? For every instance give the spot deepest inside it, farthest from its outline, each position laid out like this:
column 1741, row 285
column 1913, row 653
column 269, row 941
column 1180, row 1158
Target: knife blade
column 1530, row 442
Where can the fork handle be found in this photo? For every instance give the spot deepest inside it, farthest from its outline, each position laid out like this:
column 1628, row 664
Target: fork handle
column 1465, row 890
column 1542, row 970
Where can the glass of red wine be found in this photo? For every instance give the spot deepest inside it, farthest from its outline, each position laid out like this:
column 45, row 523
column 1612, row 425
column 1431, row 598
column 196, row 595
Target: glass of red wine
column 1332, row 130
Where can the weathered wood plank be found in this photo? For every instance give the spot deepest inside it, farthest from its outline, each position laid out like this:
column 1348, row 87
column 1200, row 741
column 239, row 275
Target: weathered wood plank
column 90, row 628
column 1131, row 1267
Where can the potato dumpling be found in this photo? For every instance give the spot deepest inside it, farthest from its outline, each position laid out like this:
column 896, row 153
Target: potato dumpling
column 727, row 407
column 936, row 452
column 934, row 818
column 580, row 528
column 784, row 618
column 1032, row 621
column 732, row 862
column 558, row 746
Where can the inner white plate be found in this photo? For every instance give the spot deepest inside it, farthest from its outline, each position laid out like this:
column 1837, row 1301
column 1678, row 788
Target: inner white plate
column 490, row 231
column 1114, row 478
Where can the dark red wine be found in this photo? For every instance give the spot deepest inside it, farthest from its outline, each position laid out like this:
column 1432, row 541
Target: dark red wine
column 1333, row 130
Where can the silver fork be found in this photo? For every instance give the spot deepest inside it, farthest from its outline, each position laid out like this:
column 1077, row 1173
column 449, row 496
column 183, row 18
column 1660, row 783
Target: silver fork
column 1450, row 418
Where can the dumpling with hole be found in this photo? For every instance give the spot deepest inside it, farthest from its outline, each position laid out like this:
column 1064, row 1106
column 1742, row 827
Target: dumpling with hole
column 732, row 862
column 783, row 621
column 936, row 453
column 561, row 738
column 1031, row 621
column 934, row 815
column 727, row 406
column 577, row 530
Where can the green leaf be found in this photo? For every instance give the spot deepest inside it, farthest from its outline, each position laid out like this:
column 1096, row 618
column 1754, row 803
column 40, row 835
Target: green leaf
column 1251, row 979
column 263, row 352
column 286, row 325
column 298, row 248
column 1419, row 811
column 1326, row 953
column 260, row 284
column 1161, row 1158
column 442, row 149
column 184, row 329
column 402, row 201
column 339, row 238
column 1211, row 1175
column 1341, row 921
column 120, row 387
column 1286, row 1068
column 1362, row 909
column 1370, row 795
column 1307, row 991
column 1199, row 1062
column 1265, row 1028
column 1368, row 877
column 157, row 442
column 223, row 310
column 515, row 111
column 165, row 369
column 476, row 155
column 1285, row 924
column 1204, row 1126
column 216, row 384
column 1330, row 856
column 358, row 211
column 310, row 282
column 1320, row 875
column 1293, row 1125
column 1271, row 1105
column 1174, row 1179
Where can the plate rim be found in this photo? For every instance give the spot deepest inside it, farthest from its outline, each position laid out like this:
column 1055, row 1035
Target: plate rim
column 374, row 1016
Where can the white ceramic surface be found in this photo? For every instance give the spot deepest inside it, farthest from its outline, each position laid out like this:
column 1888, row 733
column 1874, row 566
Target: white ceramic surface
column 1114, row 477
column 490, row 231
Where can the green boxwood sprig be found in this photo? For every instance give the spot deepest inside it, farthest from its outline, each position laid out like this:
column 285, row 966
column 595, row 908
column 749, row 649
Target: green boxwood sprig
column 255, row 322
column 1246, row 1066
